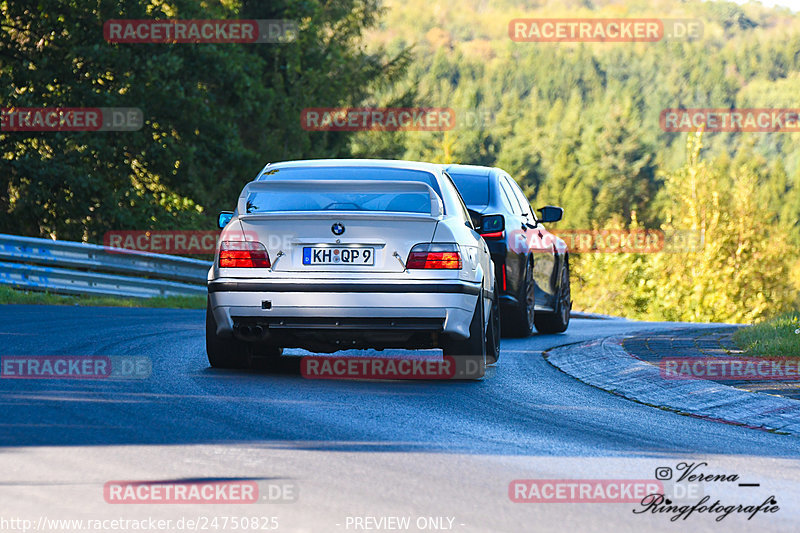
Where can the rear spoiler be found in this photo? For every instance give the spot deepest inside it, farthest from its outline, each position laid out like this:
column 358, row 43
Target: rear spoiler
column 307, row 186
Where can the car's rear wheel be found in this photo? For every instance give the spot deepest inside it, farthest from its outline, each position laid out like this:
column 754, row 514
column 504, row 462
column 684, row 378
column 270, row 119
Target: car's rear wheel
column 520, row 321
column 224, row 353
column 493, row 332
column 265, row 357
column 558, row 321
column 470, row 354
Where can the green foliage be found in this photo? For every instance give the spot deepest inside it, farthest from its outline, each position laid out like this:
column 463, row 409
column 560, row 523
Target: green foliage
column 214, row 113
column 779, row 336
column 578, row 126
column 741, row 273
column 9, row 295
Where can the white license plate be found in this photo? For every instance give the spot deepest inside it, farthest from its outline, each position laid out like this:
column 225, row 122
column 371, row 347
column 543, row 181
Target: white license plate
column 338, row 255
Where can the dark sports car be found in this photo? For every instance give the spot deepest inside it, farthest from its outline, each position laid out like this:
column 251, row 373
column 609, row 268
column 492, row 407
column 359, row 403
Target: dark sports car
column 532, row 264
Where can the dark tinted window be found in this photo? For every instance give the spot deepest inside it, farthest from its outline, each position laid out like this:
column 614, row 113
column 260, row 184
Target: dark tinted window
column 451, row 187
column 316, row 200
column 521, row 198
column 474, row 189
column 511, row 196
column 506, row 200
column 351, row 173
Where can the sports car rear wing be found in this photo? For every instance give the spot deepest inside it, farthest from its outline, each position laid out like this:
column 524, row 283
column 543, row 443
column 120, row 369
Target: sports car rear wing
column 281, row 196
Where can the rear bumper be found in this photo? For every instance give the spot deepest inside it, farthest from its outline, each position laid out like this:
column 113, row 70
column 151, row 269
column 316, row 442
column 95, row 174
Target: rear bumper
column 387, row 313
column 400, row 287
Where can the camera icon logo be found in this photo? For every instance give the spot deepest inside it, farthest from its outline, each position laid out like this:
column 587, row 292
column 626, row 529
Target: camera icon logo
column 663, row 473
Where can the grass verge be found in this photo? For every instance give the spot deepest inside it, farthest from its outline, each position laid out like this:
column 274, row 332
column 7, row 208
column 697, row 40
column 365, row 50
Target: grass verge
column 779, row 336
column 14, row 296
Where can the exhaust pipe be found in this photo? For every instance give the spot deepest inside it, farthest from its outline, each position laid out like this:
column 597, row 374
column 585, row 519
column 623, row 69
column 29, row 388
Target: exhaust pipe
column 247, row 332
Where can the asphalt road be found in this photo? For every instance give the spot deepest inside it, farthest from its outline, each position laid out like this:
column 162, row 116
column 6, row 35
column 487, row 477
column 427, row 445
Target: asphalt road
column 349, row 450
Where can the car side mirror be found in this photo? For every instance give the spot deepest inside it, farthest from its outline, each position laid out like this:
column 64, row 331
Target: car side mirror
column 550, row 213
column 224, row 218
column 492, row 224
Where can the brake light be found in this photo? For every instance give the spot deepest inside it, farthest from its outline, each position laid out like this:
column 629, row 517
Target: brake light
column 439, row 256
column 494, row 235
column 243, row 254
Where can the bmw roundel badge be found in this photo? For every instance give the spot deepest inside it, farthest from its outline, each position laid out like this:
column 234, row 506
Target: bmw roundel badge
column 337, row 228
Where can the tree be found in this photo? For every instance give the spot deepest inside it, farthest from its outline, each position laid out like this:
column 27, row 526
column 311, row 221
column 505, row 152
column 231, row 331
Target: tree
column 741, row 273
column 214, row 114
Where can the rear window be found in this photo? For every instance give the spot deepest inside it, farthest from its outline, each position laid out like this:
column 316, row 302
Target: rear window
column 474, row 189
column 397, row 202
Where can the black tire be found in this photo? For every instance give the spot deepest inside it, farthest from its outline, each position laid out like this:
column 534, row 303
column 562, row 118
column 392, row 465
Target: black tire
column 266, row 357
column 493, row 331
column 267, row 351
column 466, row 352
column 559, row 321
column 224, row 353
column 519, row 322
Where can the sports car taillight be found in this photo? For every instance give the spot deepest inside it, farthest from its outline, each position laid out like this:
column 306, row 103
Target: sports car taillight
column 243, row 254
column 430, row 255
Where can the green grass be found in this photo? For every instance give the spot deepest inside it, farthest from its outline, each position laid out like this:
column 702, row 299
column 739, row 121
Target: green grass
column 779, row 336
column 14, row 296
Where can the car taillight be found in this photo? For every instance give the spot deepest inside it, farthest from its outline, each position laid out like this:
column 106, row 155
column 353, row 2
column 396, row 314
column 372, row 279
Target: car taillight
column 430, row 255
column 243, row 254
column 494, row 235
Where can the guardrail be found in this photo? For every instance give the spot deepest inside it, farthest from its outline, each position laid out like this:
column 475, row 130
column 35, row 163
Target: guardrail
column 80, row 268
